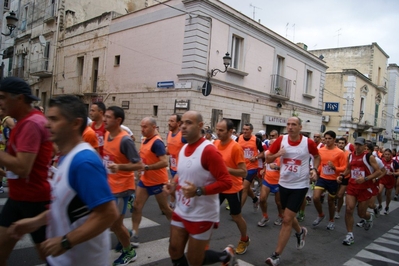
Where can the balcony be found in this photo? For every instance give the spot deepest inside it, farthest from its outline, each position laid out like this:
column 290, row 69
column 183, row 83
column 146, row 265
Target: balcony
column 40, row 68
column 18, row 72
column 49, row 15
column 280, row 88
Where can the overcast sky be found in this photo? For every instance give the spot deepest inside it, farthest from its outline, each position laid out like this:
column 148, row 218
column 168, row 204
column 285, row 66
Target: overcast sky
column 324, row 24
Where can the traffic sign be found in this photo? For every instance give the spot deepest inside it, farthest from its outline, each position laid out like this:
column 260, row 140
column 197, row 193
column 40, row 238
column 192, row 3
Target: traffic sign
column 165, row 84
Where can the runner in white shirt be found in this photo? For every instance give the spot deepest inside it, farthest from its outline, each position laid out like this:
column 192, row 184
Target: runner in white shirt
column 295, row 151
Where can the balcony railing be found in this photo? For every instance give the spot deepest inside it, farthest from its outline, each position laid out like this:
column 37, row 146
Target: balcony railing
column 49, row 15
column 18, row 72
column 40, row 68
column 280, row 87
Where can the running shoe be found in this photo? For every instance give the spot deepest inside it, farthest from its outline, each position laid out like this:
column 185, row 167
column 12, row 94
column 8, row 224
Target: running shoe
column 242, row 247
column 125, row 258
column 386, row 212
column 263, row 221
column 300, row 217
column 256, row 204
column 369, row 223
column 318, row 220
column 119, row 247
column 361, row 223
column 395, row 197
column 135, row 241
column 273, row 260
column 300, row 238
column 349, row 240
column 336, row 216
column 278, row 221
column 232, row 260
column 330, row 225
column 380, row 208
column 377, row 212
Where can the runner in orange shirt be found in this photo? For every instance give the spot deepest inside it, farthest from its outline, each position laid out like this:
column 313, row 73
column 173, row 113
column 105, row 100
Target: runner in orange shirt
column 333, row 163
column 270, row 184
column 90, row 137
column 233, row 156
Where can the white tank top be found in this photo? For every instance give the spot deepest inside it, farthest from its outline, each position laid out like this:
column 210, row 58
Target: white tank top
column 92, row 252
column 198, row 208
column 294, row 169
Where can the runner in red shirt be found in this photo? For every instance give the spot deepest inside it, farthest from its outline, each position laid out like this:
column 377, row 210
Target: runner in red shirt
column 97, row 111
column 27, row 161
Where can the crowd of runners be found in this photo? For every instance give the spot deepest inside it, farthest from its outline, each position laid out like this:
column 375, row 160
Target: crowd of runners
column 71, row 179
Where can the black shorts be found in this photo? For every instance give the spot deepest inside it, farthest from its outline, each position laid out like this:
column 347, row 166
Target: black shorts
column 234, row 201
column 15, row 210
column 330, row 185
column 292, row 198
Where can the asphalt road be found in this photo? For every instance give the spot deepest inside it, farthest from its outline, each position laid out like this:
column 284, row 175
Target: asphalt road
column 377, row 247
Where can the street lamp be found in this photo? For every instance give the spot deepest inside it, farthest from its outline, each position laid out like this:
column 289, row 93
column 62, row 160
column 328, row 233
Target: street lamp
column 207, row 87
column 361, row 115
column 226, row 63
column 11, row 23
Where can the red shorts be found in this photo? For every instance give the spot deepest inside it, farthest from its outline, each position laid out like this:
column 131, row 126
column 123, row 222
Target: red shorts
column 362, row 194
column 388, row 181
column 195, row 228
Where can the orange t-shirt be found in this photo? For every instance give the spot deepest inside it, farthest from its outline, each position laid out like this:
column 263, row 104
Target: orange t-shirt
column 337, row 157
column 122, row 180
column 152, row 177
column 90, row 137
column 174, row 146
column 232, row 154
column 272, row 176
column 250, row 150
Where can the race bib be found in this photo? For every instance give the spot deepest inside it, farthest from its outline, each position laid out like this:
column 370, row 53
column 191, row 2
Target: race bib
column 107, row 161
column 327, row 170
column 184, row 204
column 356, row 173
column 291, row 167
column 100, row 140
column 173, row 162
column 248, row 153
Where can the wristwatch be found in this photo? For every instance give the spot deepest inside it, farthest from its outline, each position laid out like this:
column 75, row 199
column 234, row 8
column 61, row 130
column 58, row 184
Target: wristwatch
column 65, row 244
column 198, row 191
column 365, row 178
column 146, row 167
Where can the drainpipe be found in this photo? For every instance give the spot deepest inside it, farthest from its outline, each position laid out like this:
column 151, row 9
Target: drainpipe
column 55, row 49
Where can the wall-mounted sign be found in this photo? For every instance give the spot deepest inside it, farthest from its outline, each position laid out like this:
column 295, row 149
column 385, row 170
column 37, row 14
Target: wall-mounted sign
column 182, row 106
column 95, row 99
column 125, row 104
column 165, row 84
column 331, row 107
column 183, row 85
column 396, row 130
column 274, row 120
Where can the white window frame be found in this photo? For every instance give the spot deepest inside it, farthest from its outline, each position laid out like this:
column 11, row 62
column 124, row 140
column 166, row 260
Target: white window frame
column 234, row 37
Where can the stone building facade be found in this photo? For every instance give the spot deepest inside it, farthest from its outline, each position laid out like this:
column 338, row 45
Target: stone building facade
column 157, row 61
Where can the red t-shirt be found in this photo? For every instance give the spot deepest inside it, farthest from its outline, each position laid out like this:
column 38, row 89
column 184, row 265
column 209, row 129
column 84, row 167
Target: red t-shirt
column 30, row 136
column 100, row 133
column 275, row 147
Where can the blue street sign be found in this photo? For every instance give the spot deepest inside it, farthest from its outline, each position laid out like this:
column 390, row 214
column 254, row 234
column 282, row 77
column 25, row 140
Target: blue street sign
column 165, row 84
column 331, row 107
